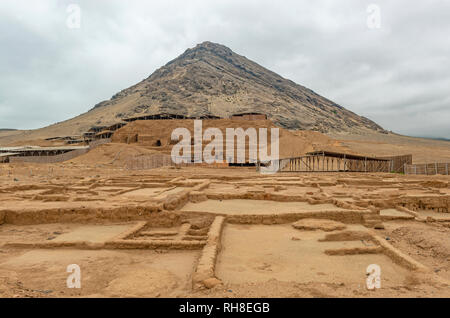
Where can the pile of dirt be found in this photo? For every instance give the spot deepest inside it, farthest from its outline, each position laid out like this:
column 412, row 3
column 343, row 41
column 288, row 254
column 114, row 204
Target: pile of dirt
column 425, row 242
column 433, row 243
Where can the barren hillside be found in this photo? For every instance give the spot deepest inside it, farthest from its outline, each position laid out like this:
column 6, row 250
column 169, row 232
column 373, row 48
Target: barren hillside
column 211, row 79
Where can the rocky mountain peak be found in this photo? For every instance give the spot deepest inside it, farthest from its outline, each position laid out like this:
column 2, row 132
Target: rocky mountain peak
column 210, row 79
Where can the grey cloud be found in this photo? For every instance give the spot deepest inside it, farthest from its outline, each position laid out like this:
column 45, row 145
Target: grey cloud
column 397, row 75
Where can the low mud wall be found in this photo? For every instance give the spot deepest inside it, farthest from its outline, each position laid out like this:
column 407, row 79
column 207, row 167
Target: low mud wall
column 434, row 203
column 207, row 262
column 348, row 217
column 88, row 215
column 117, row 244
column 155, row 244
column 396, row 255
column 273, row 197
column 132, row 231
column 381, row 246
column 354, row 251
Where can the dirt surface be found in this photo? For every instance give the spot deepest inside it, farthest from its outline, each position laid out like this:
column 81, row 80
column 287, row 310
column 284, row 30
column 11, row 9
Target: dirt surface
column 43, row 273
column 159, row 233
column 429, row 243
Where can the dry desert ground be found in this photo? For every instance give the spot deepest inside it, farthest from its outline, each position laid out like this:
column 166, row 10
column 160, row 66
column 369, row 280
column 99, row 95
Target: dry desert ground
column 220, row 232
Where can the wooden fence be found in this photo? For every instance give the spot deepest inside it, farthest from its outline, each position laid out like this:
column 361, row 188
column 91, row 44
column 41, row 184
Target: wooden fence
column 49, row 159
column 333, row 162
column 59, row 158
column 154, row 161
column 148, row 162
column 323, row 161
column 398, row 162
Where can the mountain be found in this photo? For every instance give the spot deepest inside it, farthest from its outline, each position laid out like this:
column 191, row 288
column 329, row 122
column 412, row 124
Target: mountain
column 210, row 79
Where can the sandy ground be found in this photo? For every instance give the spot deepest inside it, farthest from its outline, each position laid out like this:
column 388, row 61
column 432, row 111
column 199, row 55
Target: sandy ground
column 61, row 232
column 146, row 233
column 276, row 255
column 423, row 150
column 429, row 244
column 42, row 273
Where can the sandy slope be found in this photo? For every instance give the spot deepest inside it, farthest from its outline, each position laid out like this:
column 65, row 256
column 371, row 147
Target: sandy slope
column 422, row 149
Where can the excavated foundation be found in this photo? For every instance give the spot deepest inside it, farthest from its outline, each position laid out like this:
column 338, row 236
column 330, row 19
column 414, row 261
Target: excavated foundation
column 224, row 230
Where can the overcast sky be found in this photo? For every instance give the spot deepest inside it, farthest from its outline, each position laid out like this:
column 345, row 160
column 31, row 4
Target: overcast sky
column 397, row 75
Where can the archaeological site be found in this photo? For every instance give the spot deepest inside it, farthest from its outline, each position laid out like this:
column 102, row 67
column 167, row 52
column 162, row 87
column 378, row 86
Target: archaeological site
column 215, row 177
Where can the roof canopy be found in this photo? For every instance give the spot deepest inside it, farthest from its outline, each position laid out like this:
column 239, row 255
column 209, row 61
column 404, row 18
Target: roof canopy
column 344, row 155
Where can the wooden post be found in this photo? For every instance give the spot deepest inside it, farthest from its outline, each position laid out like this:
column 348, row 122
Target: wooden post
column 323, row 161
column 435, row 167
column 446, row 168
column 345, row 164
